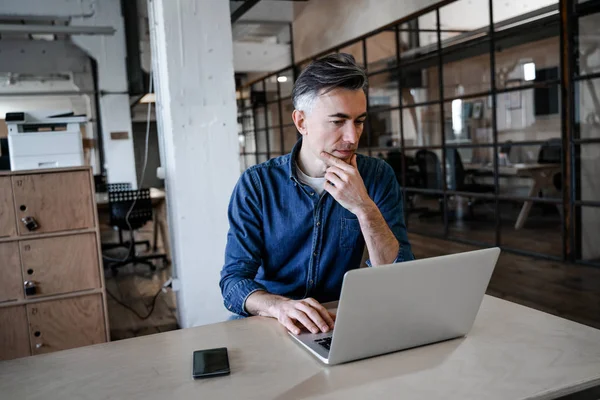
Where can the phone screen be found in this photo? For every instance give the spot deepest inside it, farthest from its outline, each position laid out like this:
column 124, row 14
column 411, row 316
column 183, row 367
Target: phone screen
column 211, row 362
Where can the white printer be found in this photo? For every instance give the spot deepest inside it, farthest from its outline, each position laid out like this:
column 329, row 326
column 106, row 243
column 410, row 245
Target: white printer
column 43, row 139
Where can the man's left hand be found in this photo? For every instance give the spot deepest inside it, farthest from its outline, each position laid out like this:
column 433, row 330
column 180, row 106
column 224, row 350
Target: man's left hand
column 345, row 184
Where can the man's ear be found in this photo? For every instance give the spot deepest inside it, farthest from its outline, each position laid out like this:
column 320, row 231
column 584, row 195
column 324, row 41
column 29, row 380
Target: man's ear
column 300, row 121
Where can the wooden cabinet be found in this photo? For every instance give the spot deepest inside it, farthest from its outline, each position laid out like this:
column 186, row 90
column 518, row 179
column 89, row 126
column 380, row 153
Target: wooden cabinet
column 52, row 294
column 61, row 264
column 65, row 324
column 11, row 280
column 14, row 338
column 57, row 202
column 7, row 208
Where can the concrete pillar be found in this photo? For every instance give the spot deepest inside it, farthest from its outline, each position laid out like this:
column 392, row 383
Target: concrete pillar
column 192, row 59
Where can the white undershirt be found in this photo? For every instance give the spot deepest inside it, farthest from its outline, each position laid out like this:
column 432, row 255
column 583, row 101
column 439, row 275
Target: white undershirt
column 318, row 184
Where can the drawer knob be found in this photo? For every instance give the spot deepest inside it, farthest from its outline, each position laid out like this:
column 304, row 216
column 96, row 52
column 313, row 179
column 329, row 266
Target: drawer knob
column 38, row 345
column 30, row 288
column 30, row 223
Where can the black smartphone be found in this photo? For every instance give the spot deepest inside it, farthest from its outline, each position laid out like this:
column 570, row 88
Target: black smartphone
column 210, row 362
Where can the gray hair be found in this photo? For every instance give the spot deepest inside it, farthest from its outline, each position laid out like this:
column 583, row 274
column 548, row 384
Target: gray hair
column 324, row 75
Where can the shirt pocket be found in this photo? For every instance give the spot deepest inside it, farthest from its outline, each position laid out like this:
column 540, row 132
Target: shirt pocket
column 350, row 233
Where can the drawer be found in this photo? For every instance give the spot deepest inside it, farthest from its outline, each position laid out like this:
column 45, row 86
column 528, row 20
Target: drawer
column 7, row 208
column 66, row 323
column 11, row 280
column 57, row 201
column 14, row 337
column 61, row 264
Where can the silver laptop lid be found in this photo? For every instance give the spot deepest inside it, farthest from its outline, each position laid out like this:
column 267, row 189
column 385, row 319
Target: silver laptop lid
column 394, row 307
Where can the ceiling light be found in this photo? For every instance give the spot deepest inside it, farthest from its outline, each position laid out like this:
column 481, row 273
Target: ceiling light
column 282, row 79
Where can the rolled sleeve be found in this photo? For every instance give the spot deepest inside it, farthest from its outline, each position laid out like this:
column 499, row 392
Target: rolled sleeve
column 244, row 243
column 388, row 199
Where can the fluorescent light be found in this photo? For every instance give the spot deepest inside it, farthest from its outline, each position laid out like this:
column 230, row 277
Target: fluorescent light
column 282, row 79
column 457, row 122
column 529, row 71
column 148, row 98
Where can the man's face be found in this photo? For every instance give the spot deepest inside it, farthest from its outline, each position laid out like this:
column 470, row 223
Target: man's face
column 335, row 123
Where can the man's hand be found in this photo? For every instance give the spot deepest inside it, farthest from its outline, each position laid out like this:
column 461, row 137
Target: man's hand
column 293, row 314
column 346, row 185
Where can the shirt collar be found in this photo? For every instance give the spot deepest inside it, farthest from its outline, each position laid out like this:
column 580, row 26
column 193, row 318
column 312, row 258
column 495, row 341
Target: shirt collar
column 293, row 173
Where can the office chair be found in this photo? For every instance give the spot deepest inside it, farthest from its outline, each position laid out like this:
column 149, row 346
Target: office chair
column 551, row 153
column 119, row 187
column 430, row 177
column 129, row 216
column 462, row 181
column 395, row 159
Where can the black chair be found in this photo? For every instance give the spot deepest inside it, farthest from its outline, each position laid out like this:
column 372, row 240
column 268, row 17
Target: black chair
column 130, row 210
column 398, row 161
column 119, row 187
column 550, row 152
column 463, row 181
column 430, row 177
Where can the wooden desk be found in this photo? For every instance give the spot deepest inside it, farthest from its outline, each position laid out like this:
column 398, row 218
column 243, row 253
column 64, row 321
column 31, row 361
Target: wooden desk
column 512, row 352
column 541, row 176
column 159, row 216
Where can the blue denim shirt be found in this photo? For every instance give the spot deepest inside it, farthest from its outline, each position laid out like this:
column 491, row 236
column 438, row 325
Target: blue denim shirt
column 287, row 240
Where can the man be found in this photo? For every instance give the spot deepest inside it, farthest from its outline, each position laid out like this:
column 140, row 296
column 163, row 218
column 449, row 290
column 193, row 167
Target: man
column 300, row 221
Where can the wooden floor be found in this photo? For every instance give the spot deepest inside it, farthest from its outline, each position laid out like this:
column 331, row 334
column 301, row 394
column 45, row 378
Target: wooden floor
column 569, row 291
column 136, row 286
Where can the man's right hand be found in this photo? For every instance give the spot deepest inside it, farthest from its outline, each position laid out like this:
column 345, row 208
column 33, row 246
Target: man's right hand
column 293, row 314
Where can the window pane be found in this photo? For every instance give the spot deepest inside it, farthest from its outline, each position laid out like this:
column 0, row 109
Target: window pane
column 274, row 141
column 468, row 121
column 383, row 89
column 540, row 231
column 261, row 140
column 356, row 50
column 385, row 128
column 287, row 108
column 587, row 109
column 273, row 109
column 454, row 16
column 249, row 160
column 587, row 171
column 466, row 75
column 588, row 220
column 504, row 10
column 472, row 218
column 381, row 51
column 520, row 63
column 290, row 137
column 587, row 43
column 424, row 213
column 286, row 83
column 528, row 115
column 259, row 117
column 271, row 88
column 421, row 126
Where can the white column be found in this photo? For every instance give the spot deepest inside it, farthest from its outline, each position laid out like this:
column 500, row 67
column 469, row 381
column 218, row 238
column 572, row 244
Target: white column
column 192, row 58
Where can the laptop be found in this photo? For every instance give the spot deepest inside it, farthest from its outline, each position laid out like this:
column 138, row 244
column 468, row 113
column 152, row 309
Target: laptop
column 399, row 306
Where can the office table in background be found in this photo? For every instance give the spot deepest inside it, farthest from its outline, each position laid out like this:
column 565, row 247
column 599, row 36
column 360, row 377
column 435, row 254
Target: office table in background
column 159, row 217
column 512, row 352
column 541, row 176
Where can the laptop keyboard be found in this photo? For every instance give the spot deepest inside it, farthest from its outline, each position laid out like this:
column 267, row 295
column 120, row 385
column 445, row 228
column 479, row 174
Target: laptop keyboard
column 325, row 342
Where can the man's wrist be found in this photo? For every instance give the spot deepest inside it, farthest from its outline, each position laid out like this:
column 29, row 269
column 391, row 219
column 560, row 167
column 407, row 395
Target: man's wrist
column 367, row 211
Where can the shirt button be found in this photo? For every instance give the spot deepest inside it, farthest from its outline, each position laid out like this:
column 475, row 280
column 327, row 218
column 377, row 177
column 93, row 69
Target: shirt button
column 318, row 223
column 312, row 193
column 315, row 254
column 311, row 282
